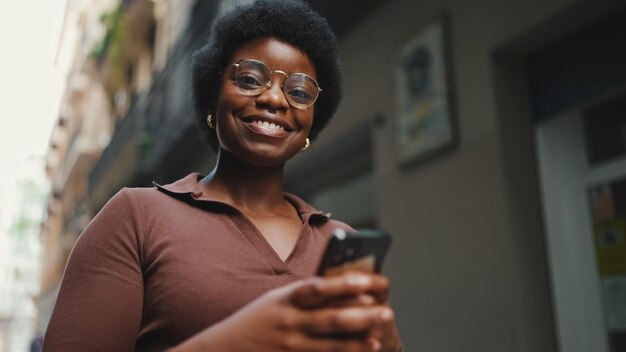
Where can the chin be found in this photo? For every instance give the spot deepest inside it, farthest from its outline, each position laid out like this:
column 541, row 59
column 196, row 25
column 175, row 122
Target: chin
column 265, row 157
column 264, row 160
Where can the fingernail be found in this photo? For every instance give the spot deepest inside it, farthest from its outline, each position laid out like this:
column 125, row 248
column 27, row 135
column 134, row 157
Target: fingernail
column 375, row 345
column 359, row 280
column 386, row 314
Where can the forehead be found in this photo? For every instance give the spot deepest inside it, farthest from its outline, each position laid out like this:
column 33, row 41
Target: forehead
column 277, row 55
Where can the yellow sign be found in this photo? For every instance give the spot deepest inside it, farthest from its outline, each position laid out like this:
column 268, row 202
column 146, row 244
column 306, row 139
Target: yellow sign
column 610, row 244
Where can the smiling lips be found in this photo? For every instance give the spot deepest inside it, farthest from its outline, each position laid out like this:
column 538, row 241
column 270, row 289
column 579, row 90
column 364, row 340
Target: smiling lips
column 270, row 125
column 266, row 128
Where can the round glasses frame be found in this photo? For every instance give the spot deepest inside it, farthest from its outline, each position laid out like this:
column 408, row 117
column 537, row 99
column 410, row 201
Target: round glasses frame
column 268, row 83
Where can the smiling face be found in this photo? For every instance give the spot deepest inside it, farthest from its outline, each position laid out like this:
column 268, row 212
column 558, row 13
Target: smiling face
column 264, row 130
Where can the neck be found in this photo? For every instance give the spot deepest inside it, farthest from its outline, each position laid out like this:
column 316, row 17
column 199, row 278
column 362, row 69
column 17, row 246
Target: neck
column 243, row 185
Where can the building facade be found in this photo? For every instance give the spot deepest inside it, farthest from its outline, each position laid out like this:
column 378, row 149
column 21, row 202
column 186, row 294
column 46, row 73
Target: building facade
column 97, row 49
column 490, row 252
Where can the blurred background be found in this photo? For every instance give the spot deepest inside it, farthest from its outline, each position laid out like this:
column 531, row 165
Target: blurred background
column 487, row 137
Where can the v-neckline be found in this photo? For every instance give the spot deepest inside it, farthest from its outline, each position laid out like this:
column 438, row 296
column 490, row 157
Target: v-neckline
column 249, row 230
column 189, row 190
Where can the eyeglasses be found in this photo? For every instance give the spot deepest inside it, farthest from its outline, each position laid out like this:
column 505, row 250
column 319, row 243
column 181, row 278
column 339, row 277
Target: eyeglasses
column 253, row 77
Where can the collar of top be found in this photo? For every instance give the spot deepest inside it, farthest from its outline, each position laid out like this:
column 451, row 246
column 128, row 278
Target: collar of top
column 188, row 189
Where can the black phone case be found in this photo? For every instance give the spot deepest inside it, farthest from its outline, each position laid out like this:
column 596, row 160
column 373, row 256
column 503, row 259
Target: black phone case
column 346, row 247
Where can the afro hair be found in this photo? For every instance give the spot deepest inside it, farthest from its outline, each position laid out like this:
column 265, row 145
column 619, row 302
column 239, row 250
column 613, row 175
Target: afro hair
column 291, row 21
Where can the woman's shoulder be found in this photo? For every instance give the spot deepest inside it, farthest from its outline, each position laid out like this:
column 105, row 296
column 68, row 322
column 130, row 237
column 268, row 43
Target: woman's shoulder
column 136, row 197
column 158, row 195
column 137, row 207
column 317, row 217
column 139, row 194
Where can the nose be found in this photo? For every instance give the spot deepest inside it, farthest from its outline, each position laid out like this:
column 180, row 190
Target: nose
column 274, row 97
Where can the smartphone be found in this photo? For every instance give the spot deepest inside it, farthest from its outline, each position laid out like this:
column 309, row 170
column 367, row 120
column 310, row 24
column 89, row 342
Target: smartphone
column 362, row 250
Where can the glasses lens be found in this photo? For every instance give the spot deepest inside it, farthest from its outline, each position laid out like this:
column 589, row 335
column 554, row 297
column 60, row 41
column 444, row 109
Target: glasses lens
column 252, row 77
column 301, row 90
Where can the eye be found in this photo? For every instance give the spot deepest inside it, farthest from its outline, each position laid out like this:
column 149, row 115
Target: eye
column 247, row 80
column 300, row 94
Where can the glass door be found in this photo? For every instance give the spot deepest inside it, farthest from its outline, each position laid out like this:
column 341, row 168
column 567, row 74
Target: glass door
column 605, row 136
column 582, row 171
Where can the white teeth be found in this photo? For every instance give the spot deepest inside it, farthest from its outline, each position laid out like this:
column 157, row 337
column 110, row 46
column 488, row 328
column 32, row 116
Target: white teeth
column 269, row 125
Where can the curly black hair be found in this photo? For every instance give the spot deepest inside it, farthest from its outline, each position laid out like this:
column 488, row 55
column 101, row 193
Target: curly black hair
column 293, row 22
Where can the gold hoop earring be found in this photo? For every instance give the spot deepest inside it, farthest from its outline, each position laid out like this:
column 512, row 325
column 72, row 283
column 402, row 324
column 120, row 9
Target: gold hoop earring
column 209, row 121
column 307, row 144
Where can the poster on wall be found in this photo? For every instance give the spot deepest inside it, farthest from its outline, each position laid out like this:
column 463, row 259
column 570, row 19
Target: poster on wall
column 608, row 210
column 424, row 121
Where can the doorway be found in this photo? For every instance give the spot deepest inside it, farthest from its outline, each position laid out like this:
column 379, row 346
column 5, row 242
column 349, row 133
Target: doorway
column 578, row 93
column 582, row 163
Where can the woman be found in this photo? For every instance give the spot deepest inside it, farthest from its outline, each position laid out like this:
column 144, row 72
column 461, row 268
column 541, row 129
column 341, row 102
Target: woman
column 224, row 262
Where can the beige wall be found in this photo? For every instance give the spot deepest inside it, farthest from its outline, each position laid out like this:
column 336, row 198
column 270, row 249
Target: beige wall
column 468, row 264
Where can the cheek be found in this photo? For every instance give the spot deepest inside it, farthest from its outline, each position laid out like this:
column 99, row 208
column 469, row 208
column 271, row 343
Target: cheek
column 228, row 101
column 223, row 110
column 305, row 119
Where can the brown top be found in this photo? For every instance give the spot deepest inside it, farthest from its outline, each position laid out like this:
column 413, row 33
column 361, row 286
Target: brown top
column 157, row 265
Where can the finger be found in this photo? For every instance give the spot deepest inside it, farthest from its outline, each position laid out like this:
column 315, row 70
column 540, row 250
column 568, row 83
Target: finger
column 316, row 291
column 299, row 342
column 385, row 327
column 386, row 333
column 362, row 300
column 329, row 321
column 354, row 282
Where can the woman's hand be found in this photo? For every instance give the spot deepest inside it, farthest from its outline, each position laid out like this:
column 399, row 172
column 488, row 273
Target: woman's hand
column 297, row 317
column 327, row 293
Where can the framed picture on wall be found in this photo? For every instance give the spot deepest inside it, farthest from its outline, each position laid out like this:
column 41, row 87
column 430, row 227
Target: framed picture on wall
column 424, row 121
